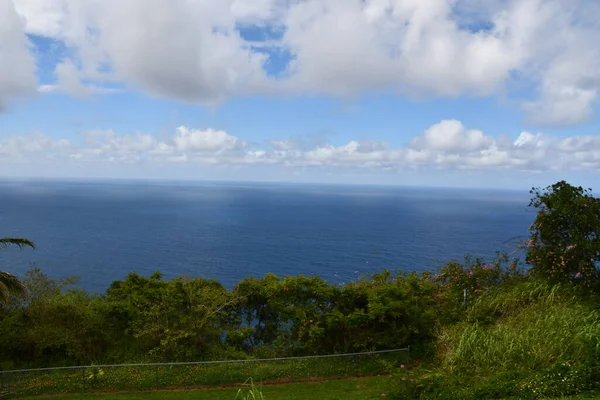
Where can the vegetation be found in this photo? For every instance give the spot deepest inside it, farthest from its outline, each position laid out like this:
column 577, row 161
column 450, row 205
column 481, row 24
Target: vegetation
column 148, row 319
column 253, row 393
column 565, row 237
column 355, row 389
column 526, row 331
column 10, row 284
column 530, row 336
column 528, row 340
column 153, row 377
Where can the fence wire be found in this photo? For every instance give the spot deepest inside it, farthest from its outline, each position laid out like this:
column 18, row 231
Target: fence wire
column 125, row 377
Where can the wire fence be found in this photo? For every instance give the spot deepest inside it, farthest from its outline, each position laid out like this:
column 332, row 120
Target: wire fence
column 127, row 377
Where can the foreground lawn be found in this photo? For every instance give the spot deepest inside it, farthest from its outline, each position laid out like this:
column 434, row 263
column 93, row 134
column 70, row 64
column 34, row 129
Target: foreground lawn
column 353, row 389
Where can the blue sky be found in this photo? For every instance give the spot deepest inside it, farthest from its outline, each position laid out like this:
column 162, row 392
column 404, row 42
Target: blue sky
column 429, row 92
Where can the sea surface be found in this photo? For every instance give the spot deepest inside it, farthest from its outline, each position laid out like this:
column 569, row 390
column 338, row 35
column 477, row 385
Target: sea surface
column 100, row 231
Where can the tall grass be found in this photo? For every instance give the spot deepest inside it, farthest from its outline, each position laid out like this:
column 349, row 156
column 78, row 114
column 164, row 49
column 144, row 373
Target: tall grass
column 253, row 393
column 537, row 337
column 529, row 326
column 528, row 340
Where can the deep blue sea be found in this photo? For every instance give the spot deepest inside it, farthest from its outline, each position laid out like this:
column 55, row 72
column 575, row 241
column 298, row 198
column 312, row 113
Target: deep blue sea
column 102, row 231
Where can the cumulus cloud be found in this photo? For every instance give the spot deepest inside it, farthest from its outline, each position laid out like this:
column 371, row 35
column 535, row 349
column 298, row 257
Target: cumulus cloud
column 568, row 89
column 194, row 51
column 413, row 46
column 447, row 145
column 17, row 65
column 528, row 140
column 206, row 141
column 188, row 51
column 184, row 145
column 355, row 153
column 452, row 136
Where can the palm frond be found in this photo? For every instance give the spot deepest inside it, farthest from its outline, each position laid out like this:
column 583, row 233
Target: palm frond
column 10, row 284
column 19, row 242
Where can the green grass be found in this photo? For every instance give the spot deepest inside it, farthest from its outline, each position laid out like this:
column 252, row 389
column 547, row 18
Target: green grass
column 353, row 389
column 131, row 378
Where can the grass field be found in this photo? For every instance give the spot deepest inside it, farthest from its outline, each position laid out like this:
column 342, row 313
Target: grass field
column 348, row 389
column 146, row 378
column 352, row 389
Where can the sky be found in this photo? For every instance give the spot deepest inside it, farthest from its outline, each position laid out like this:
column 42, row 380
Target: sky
column 465, row 93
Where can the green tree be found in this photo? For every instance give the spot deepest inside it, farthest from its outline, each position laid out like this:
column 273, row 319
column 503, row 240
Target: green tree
column 564, row 244
column 181, row 319
column 10, row 284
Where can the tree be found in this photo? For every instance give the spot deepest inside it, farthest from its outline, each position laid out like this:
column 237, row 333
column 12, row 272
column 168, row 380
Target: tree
column 8, row 282
column 564, row 244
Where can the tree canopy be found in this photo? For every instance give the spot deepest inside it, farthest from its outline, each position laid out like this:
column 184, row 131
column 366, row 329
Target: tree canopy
column 564, row 243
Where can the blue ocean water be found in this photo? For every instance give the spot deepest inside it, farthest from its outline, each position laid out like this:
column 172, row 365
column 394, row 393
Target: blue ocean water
column 101, row 231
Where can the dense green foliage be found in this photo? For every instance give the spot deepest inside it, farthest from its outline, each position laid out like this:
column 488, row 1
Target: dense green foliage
column 565, row 238
column 151, row 319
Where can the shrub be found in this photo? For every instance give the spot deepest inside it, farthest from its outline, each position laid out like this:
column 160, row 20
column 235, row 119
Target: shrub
column 477, row 276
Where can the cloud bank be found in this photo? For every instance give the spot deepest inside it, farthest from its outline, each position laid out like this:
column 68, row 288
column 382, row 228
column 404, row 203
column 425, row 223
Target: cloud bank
column 447, row 145
column 201, row 52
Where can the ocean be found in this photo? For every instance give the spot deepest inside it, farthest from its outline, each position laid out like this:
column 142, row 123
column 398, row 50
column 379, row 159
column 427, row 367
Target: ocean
column 101, row 231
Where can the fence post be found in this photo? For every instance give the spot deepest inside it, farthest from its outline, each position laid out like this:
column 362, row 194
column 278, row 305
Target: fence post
column 83, row 379
column 356, row 364
column 156, row 377
column 292, row 367
column 8, row 383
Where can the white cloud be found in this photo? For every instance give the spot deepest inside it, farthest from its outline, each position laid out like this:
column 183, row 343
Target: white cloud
column 355, row 153
column 67, row 75
column 447, row 145
column 189, row 51
column 256, row 10
column 434, row 48
column 579, row 144
column 568, row 89
column 205, row 141
column 528, row 140
column 44, row 17
column 17, row 66
column 23, row 148
column 192, row 50
column 452, row 136
column 415, row 47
